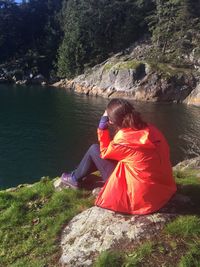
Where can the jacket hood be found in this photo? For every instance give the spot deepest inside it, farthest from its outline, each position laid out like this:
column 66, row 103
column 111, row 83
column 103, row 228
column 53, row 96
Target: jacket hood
column 133, row 138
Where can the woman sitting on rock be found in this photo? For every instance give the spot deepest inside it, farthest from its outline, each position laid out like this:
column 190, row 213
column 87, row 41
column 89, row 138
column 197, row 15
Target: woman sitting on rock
column 135, row 165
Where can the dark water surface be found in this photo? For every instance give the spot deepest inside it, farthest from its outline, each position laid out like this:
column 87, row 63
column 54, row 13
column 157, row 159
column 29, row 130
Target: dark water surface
column 45, row 131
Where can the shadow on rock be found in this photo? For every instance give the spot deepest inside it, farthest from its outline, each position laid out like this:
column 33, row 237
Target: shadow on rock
column 186, row 201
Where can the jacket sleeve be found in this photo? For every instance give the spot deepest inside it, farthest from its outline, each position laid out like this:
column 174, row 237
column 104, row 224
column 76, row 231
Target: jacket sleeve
column 111, row 149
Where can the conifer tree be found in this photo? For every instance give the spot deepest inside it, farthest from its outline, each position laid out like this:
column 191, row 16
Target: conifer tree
column 173, row 26
column 93, row 29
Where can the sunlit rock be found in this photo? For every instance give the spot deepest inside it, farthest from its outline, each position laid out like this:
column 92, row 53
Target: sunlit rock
column 96, row 230
column 194, row 97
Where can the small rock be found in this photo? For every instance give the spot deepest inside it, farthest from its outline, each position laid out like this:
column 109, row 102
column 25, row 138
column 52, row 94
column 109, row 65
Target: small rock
column 44, row 83
column 96, row 191
column 58, row 185
column 12, row 189
column 39, row 79
column 35, row 221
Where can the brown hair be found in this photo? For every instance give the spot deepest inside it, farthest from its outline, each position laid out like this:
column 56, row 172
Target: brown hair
column 123, row 115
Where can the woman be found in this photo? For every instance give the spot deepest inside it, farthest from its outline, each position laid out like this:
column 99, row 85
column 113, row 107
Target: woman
column 135, row 165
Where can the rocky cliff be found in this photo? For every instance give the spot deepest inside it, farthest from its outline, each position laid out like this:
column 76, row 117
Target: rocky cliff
column 130, row 74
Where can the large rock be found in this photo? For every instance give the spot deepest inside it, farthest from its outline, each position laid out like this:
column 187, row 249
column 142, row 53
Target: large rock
column 188, row 164
column 96, row 230
column 194, row 97
column 129, row 74
column 170, row 88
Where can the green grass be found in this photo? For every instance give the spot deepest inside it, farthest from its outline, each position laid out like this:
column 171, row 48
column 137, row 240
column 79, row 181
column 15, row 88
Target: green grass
column 191, row 258
column 109, row 258
column 135, row 258
column 189, row 176
column 108, row 66
column 130, row 64
column 189, row 185
column 31, row 220
column 167, row 71
column 184, row 226
column 118, row 259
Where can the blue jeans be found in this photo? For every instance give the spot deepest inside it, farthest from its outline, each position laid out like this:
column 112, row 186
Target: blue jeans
column 92, row 162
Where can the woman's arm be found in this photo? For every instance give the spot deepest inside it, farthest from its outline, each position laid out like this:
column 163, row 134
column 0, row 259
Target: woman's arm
column 102, row 131
column 111, row 149
column 103, row 138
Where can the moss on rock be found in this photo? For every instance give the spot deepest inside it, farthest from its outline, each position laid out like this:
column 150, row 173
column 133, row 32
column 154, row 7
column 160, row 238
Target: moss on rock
column 129, row 64
column 168, row 71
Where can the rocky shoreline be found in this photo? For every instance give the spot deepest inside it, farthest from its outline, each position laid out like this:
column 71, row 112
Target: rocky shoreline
column 26, row 71
column 129, row 74
column 12, row 78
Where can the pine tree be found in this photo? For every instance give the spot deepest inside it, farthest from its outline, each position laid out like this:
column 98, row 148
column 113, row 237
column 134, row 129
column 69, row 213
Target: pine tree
column 93, row 29
column 171, row 26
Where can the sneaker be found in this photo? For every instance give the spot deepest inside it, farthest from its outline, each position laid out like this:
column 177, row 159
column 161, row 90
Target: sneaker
column 67, row 179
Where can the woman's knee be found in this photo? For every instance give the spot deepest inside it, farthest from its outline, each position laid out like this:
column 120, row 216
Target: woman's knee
column 94, row 148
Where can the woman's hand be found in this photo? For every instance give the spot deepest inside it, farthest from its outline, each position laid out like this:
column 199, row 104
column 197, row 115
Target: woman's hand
column 103, row 124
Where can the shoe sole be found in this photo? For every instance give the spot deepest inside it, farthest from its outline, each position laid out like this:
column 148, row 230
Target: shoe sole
column 69, row 184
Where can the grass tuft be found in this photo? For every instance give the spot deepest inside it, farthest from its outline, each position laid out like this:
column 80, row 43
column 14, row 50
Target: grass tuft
column 187, row 225
column 191, row 258
column 117, row 259
column 135, row 258
column 109, row 258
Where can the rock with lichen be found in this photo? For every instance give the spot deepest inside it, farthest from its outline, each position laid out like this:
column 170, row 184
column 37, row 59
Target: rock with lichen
column 96, row 230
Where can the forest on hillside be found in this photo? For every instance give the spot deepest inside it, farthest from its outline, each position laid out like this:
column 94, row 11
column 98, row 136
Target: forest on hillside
column 72, row 35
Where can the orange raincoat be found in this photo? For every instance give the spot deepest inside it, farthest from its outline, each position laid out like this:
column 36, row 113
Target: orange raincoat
column 142, row 181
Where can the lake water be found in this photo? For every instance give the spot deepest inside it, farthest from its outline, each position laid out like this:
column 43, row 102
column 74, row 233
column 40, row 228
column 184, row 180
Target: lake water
column 45, row 131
